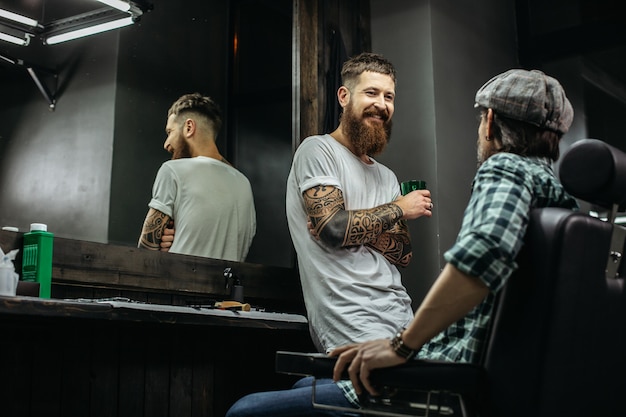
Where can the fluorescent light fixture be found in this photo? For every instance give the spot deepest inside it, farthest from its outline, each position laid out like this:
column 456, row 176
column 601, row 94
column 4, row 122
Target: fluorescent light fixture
column 18, row 18
column 14, row 39
column 18, row 37
column 118, row 4
column 90, row 30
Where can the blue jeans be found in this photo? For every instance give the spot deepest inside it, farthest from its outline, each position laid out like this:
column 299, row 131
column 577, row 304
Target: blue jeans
column 294, row 402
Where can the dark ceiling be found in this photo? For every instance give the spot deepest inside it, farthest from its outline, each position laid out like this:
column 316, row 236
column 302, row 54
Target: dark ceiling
column 594, row 30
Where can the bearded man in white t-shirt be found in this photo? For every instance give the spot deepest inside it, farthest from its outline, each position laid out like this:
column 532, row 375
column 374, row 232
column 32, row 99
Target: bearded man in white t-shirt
column 209, row 202
column 356, row 235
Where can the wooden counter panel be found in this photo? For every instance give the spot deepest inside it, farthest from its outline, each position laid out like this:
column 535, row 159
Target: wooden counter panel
column 99, row 359
column 68, row 358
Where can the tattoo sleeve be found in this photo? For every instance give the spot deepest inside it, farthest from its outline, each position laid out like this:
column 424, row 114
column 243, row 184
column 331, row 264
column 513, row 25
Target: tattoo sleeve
column 380, row 227
column 395, row 245
column 152, row 230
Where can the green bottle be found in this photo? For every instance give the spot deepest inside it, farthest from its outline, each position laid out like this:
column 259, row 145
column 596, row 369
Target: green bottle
column 37, row 258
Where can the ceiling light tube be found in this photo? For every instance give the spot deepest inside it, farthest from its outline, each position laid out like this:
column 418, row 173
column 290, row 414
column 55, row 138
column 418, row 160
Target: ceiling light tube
column 118, row 4
column 90, row 30
column 14, row 39
column 18, row 18
column 17, row 37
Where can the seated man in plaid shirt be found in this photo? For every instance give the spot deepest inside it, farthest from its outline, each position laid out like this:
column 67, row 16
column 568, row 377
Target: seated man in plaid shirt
column 524, row 114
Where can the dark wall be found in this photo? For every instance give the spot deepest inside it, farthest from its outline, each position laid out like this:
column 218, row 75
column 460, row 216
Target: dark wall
column 260, row 118
column 443, row 52
column 55, row 166
column 605, row 116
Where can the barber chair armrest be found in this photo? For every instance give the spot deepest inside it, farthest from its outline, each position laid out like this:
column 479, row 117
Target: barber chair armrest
column 465, row 379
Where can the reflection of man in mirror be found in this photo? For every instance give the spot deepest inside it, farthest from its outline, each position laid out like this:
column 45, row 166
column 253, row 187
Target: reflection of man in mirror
column 347, row 222
column 209, row 200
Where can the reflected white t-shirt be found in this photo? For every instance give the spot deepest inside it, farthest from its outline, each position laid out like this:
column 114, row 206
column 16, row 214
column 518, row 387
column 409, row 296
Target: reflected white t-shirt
column 212, row 206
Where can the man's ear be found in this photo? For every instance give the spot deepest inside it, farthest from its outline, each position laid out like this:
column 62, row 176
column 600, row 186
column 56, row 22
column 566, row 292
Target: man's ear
column 189, row 128
column 489, row 122
column 343, row 96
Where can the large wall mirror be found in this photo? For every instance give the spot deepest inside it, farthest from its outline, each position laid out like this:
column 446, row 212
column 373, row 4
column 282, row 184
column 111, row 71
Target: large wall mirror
column 86, row 167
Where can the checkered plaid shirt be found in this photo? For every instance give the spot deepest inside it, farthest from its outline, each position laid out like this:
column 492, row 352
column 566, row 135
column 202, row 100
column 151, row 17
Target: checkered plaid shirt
column 506, row 187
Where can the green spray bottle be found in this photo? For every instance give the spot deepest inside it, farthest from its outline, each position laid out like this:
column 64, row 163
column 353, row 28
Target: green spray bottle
column 37, row 258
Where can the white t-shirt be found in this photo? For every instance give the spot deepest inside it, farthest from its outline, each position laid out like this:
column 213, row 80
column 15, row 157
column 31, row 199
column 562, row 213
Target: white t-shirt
column 212, row 206
column 351, row 294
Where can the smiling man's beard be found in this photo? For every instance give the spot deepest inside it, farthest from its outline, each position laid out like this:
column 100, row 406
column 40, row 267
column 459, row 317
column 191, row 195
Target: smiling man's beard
column 366, row 139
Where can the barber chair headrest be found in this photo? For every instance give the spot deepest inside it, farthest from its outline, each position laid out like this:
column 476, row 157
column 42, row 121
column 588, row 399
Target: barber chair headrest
column 594, row 171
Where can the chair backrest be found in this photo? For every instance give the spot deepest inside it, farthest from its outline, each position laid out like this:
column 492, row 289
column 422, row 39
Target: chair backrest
column 558, row 340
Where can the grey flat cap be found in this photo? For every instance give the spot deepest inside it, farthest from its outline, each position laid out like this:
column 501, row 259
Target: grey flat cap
column 528, row 96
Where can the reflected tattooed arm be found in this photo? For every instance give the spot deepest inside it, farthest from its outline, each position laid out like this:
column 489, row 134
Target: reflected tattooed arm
column 152, row 231
column 380, row 228
column 167, row 238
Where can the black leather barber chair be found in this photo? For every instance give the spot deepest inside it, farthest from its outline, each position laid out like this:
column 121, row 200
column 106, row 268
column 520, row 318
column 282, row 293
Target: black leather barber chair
column 557, row 346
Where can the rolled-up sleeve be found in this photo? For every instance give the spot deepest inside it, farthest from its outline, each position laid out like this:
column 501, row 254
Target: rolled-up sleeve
column 164, row 191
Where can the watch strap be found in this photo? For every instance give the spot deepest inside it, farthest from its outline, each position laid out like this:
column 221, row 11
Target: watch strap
column 400, row 348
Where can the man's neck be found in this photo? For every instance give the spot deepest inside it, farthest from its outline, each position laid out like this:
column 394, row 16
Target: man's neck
column 340, row 137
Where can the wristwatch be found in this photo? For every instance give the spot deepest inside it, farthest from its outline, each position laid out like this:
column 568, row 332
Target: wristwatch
column 400, row 348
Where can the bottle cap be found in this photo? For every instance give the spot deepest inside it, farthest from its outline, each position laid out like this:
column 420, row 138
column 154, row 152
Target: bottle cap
column 38, row 226
column 10, row 228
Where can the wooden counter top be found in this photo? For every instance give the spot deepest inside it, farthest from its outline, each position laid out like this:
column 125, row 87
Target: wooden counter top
column 126, row 310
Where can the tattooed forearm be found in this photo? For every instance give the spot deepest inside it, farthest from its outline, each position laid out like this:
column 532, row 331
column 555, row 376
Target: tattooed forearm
column 152, row 230
column 395, row 245
column 338, row 227
column 366, row 225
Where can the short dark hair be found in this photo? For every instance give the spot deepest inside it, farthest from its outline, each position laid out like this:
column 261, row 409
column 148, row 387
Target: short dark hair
column 200, row 105
column 365, row 61
column 523, row 138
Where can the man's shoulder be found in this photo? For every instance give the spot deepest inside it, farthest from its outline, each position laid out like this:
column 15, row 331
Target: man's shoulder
column 315, row 140
column 175, row 167
column 516, row 163
column 317, row 147
column 515, row 168
column 196, row 161
column 175, row 162
column 504, row 160
column 501, row 157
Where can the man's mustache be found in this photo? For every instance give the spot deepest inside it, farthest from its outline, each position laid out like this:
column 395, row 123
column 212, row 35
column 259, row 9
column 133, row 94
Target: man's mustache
column 383, row 114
